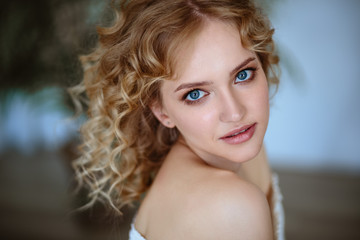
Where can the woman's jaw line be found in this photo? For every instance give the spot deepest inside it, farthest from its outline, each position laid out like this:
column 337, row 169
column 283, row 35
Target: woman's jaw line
column 219, row 162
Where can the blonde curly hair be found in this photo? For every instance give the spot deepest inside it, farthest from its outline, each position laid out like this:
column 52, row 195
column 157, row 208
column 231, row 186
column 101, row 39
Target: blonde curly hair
column 123, row 143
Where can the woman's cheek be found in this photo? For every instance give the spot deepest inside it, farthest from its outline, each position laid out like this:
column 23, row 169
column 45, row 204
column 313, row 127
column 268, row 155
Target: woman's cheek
column 209, row 116
column 197, row 121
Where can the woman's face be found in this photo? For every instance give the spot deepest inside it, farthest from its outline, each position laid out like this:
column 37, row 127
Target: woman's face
column 219, row 101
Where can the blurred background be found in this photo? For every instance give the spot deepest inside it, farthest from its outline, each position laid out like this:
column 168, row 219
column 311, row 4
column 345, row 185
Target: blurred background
column 313, row 138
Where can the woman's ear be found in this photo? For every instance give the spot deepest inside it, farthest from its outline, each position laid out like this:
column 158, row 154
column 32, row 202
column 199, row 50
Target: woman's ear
column 158, row 110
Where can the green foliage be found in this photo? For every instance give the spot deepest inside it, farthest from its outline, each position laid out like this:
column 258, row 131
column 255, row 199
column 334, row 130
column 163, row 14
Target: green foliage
column 40, row 41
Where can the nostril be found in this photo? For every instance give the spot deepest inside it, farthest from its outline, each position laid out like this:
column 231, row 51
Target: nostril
column 231, row 115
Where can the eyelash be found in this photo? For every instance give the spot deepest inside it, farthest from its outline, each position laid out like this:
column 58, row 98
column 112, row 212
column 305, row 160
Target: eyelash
column 253, row 74
column 189, row 102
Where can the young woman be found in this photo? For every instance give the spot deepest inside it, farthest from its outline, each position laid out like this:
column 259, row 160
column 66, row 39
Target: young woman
column 178, row 107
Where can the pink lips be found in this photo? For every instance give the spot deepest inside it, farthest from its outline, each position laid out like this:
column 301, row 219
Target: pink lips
column 239, row 135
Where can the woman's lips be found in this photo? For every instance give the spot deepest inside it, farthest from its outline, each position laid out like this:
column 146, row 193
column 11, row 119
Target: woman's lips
column 239, row 135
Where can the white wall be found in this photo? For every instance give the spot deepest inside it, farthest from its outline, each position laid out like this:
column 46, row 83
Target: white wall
column 315, row 117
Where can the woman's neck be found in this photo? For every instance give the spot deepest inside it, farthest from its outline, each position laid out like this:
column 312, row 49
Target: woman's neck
column 256, row 170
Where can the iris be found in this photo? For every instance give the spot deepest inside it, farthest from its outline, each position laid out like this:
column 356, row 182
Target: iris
column 195, row 95
column 243, row 75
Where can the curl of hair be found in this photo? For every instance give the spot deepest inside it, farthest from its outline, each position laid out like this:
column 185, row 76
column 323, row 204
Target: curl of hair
column 123, row 143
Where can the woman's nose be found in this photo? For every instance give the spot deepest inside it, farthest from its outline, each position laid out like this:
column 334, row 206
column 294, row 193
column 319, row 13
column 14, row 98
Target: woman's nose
column 231, row 108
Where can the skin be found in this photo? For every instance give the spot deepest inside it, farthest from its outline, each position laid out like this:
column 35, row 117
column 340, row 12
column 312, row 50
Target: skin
column 208, row 188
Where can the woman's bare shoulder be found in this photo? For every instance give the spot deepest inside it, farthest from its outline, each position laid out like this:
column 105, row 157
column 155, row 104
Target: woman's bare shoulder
column 196, row 201
column 226, row 207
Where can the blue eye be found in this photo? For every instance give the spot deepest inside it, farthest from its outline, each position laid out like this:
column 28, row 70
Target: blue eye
column 195, row 95
column 244, row 75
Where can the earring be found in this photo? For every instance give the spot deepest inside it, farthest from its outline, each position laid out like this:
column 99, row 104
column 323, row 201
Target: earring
column 168, row 123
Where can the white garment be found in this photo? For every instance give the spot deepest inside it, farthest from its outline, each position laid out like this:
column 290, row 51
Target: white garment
column 134, row 234
column 278, row 216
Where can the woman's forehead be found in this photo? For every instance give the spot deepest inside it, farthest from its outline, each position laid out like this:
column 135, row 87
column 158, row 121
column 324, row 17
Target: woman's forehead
column 215, row 43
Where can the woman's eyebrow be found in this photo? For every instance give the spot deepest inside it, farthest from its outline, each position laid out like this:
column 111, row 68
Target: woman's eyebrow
column 241, row 65
column 192, row 85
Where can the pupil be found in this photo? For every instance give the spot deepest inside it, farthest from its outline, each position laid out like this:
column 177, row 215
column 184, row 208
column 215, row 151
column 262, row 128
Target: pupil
column 194, row 94
column 242, row 75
